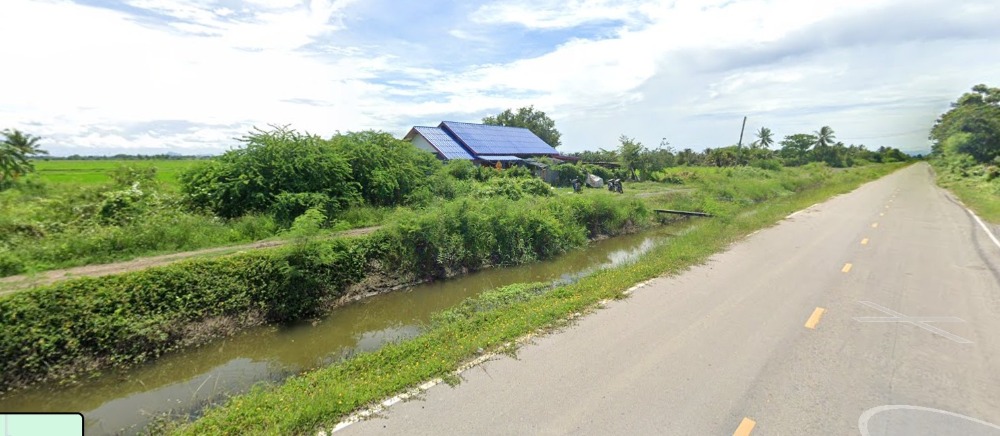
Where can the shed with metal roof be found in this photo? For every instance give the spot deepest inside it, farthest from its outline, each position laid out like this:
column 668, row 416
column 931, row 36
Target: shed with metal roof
column 479, row 142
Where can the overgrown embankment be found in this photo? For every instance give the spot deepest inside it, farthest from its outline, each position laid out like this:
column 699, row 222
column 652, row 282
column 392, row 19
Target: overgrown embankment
column 324, row 396
column 978, row 186
column 83, row 325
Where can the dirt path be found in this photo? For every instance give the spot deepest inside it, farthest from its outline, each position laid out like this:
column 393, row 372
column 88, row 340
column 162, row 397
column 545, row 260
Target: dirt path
column 16, row 283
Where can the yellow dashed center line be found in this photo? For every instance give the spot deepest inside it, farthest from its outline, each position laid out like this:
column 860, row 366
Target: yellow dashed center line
column 847, row 267
column 814, row 318
column 746, row 426
column 864, row 241
column 874, row 225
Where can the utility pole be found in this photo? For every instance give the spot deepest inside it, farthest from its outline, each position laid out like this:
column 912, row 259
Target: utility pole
column 740, row 145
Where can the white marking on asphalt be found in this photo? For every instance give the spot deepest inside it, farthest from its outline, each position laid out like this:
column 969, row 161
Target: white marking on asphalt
column 632, row 289
column 919, row 321
column 378, row 408
column 868, row 414
column 800, row 211
column 985, row 229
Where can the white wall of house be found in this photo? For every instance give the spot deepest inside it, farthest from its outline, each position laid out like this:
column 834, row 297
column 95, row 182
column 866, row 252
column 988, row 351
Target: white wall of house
column 422, row 143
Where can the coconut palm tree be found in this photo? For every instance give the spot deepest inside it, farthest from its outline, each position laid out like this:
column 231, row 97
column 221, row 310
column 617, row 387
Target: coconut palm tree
column 15, row 152
column 764, row 138
column 26, row 144
column 824, row 137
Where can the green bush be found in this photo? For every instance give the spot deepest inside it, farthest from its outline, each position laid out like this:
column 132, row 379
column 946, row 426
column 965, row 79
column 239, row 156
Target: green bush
column 598, row 171
column 536, row 187
column 273, row 162
column 460, row 169
column 386, row 169
column 568, row 172
column 10, row 264
column 288, row 206
column 133, row 317
column 767, row 164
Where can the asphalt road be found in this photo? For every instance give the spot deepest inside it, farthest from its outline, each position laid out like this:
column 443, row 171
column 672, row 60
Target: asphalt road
column 900, row 285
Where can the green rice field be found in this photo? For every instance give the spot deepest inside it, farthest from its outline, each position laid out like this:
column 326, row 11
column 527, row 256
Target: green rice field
column 95, row 172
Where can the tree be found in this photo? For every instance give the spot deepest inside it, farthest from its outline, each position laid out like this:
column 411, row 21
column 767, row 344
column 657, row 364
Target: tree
column 630, row 154
column 15, row 152
column 824, row 137
column 723, row 156
column 764, row 138
column 688, row 156
column 528, row 117
column 795, row 148
column 971, row 126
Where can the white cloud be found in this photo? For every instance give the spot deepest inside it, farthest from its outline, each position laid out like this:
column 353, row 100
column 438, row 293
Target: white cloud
column 555, row 14
column 869, row 68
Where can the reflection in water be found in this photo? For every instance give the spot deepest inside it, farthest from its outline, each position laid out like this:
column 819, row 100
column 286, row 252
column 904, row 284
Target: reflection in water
column 185, row 381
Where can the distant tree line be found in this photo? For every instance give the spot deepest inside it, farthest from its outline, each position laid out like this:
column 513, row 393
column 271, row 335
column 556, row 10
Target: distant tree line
column 638, row 162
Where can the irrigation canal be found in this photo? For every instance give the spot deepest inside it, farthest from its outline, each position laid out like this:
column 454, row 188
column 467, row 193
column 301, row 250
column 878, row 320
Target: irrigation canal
column 182, row 383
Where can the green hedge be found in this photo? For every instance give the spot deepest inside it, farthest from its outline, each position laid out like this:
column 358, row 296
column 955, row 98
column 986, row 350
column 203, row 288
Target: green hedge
column 134, row 317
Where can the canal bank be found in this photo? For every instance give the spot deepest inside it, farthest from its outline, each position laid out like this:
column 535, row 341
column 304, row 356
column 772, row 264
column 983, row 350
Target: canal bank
column 180, row 384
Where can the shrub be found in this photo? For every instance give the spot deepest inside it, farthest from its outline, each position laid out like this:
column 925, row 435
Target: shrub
column 10, row 263
column 386, row 169
column 598, row 171
column 536, row 187
column 288, row 206
column 460, row 169
column 249, row 179
column 768, row 164
column 568, row 172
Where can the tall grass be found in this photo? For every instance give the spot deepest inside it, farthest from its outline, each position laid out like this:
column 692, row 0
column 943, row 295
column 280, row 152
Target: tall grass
column 975, row 184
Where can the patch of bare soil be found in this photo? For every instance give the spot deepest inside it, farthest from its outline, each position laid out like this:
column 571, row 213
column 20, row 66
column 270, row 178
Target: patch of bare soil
column 16, row 283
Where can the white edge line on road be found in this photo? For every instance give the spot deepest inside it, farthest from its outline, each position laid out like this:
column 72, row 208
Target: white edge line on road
column 378, row 408
column 986, row 229
column 800, row 211
column 868, row 414
column 632, row 289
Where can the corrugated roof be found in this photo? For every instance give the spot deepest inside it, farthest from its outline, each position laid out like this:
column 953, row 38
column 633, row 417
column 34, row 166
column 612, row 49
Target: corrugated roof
column 497, row 140
column 443, row 142
column 499, row 158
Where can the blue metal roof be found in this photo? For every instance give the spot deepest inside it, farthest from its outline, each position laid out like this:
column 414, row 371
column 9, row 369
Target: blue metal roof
column 482, row 139
column 443, row 142
column 499, row 158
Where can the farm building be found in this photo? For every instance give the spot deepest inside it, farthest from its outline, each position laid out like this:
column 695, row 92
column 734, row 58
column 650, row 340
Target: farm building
column 480, row 143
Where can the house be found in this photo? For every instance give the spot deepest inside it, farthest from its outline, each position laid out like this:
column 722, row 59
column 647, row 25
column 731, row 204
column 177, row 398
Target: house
column 480, row 143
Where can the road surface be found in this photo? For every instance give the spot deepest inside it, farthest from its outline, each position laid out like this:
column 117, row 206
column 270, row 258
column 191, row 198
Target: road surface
column 874, row 313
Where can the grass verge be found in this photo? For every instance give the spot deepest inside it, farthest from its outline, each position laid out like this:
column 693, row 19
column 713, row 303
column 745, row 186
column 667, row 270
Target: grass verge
column 974, row 189
column 322, row 397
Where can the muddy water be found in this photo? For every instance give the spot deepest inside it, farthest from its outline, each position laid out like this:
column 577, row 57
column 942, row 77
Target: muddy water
column 182, row 383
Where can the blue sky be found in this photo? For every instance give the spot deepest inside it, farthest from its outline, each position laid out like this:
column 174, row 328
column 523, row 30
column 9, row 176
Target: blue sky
column 151, row 76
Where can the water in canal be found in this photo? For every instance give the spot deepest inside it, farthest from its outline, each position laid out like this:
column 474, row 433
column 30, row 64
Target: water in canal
column 182, row 382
